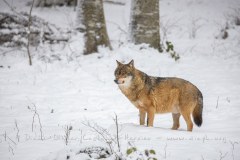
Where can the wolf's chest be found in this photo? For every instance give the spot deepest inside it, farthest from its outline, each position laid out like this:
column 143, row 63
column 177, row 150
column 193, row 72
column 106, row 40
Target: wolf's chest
column 142, row 103
column 138, row 103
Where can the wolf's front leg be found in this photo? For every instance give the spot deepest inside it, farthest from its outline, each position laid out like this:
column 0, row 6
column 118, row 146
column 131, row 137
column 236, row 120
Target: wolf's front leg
column 142, row 116
column 150, row 116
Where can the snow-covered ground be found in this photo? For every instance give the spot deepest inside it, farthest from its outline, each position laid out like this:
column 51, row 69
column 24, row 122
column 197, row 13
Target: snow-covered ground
column 80, row 89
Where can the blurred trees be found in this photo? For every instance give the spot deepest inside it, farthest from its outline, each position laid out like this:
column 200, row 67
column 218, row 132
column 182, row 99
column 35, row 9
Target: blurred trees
column 144, row 21
column 92, row 24
column 144, row 25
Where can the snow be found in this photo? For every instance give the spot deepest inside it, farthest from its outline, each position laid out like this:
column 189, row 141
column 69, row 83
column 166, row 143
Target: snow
column 80, row 88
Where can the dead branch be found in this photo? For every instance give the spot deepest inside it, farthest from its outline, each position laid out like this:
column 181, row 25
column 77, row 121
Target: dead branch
column 10, row 149
column 17, row 136
column 10, row 144
column 9, row 51
column 39, row 120
column 117, row 132
column 11, row 7
column 233, row 147
column 121, row 29
column 167, row 26
column 165, row 151
column 102, row 132
column 5, row 135
column 195, row 26
column 67, row 130
column 58, row 39
column 11, row 140
column 108, row 138
column 221, row 156
column 40, row 31
column 217, row 102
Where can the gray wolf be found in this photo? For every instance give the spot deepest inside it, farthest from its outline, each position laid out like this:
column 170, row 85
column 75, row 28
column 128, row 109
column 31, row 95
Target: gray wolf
column 152, row 95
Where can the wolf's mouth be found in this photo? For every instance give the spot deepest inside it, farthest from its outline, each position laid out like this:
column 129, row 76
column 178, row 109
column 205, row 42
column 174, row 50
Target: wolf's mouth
column 119, row 82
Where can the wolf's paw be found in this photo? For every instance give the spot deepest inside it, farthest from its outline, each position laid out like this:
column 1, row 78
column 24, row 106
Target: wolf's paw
column 175, row 127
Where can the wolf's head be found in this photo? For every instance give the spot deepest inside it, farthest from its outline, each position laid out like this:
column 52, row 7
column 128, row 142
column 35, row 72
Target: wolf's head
column 124, row 73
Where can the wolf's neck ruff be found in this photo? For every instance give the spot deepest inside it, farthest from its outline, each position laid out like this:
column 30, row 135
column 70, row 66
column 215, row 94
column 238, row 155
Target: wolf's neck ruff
column 127, row 83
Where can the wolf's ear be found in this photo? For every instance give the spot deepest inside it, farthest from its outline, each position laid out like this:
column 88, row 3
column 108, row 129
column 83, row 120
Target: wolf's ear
column 118, row 63
column 131, row 63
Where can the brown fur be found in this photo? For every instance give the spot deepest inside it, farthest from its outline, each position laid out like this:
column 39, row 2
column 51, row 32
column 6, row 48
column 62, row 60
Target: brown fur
column 153, row 95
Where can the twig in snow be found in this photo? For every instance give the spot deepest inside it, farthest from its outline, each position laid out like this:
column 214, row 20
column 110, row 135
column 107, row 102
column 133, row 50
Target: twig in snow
column 17, row 136
column 102, row 132
column 194, row 27
column 117, row 132
column 5, row 136
column 10, row 144
column 10, row 149
column 221, row 156
column 123, row 32
column 67, row 134
column 233, row 147
column 113, row 141
column 39, row 120
column 165, row 151
column 217, row 102
column 166, row 26
column 12, row 140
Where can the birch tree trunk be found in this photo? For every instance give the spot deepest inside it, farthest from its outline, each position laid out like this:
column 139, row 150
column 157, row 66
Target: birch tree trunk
column 144, row 25
column 92, row 23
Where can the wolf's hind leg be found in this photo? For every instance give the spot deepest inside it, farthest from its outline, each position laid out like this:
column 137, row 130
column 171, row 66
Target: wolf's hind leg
column 176, row 124
column 187, row 118
column 142, row 117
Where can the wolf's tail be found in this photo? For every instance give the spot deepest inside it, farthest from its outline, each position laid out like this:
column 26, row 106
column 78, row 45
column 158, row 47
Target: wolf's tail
column 197, row 112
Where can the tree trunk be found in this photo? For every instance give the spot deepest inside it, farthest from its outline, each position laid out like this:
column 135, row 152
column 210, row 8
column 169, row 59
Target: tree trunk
column 92, row 23
column 145, row 26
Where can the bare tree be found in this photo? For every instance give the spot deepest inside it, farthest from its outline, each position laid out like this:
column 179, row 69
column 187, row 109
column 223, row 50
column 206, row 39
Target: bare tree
column 144, row 27
column 92, row 24
column 29, row 34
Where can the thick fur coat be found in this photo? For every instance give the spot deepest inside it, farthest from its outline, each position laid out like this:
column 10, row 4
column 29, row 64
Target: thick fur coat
column 153, row 95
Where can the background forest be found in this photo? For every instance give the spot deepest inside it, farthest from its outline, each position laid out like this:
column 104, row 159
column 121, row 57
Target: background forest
column 58, row 100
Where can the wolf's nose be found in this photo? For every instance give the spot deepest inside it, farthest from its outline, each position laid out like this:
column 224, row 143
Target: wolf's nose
column 116, row 81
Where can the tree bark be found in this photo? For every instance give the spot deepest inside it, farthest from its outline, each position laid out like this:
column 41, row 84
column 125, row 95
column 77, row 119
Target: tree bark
column 145, row 26
column 92, row 20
